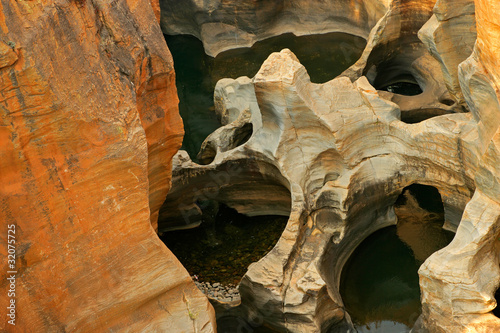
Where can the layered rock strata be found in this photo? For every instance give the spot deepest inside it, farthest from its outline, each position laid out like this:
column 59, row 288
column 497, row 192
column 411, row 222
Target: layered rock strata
column 88, row 129
column 459, row 282
column 450, row 35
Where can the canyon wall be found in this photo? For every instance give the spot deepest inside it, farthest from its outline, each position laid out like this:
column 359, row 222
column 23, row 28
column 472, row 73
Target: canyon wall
column 88, row 128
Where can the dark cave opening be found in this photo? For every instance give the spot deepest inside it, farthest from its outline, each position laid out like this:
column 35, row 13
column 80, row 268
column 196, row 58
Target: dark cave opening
column 394, row 79
column 496, row 310
column 403, row 88
column 427, row 197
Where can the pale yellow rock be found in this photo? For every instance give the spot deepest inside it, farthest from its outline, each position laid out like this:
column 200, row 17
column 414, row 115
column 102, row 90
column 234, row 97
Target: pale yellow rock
column 224, row 25
column 340, row 153
column 450, row 35
column 335, row 156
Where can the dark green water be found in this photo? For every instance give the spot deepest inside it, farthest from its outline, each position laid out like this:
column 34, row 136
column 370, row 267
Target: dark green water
column 324, row 56
column 243, row 240
column 404, row 88
column 379, row 283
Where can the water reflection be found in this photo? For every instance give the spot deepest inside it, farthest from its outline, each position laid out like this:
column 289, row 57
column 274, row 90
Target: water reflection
column 379, row 283
column 420, row 229
column 384, row 326
column 324, row 56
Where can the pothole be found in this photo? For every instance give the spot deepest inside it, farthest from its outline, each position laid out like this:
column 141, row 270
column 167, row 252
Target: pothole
column 379, row 282
column 218, row 253
column 412, row 78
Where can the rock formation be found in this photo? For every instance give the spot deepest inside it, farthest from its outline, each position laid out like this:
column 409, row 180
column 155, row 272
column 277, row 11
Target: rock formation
column 335, row 156
column 90, row 124
column 223, row 25
column 88, row 129
column 459, row 282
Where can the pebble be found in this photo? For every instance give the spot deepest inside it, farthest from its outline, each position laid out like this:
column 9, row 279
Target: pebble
column 222, row 293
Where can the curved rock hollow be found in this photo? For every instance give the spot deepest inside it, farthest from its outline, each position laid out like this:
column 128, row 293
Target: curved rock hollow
column 345, row 151
column 227, row 24
column 379, row 282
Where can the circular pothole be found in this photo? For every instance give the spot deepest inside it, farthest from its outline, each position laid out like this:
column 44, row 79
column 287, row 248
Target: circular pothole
column 379, row 283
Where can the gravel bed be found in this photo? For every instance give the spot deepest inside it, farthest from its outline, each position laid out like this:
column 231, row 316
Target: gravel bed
column 222, row 293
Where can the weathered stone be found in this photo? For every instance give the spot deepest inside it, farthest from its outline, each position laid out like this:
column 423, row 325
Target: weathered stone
column 450, row 35
column 223, row 25
column 88, row 128
column 394, row 53
column 335, row 156
column 459, row 282
column 344, row 155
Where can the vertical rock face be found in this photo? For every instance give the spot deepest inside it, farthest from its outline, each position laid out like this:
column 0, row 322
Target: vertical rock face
column 88, row 128
column 459, row 282
column 450, row 35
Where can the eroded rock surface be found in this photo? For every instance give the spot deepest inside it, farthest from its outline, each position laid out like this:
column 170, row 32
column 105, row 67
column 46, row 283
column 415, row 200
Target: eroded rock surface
column 88, row 129
column 459, row 282
column 343, row 185
column 395, row 55
column 335, row 157
column 223, row 25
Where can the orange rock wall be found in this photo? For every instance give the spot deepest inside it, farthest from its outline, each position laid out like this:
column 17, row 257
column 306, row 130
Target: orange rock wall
column 88, row 127
column 488, row 35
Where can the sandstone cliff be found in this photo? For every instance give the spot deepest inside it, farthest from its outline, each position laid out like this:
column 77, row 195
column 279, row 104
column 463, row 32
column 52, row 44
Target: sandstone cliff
column 88, row 128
